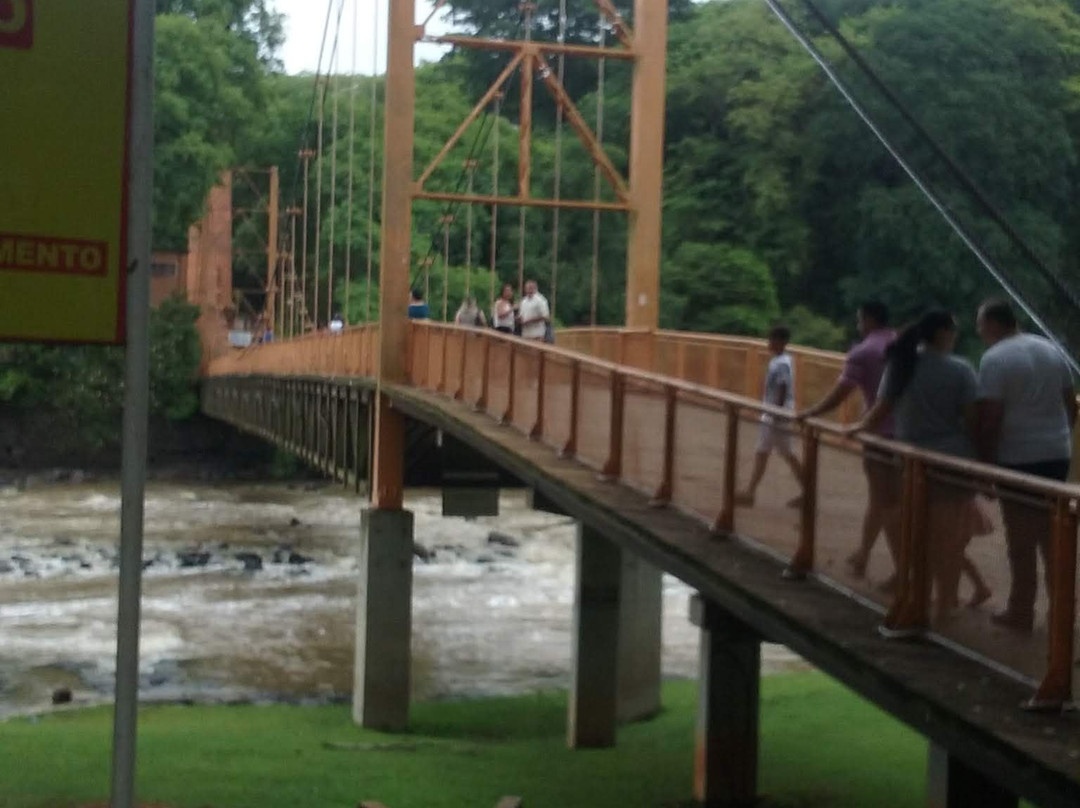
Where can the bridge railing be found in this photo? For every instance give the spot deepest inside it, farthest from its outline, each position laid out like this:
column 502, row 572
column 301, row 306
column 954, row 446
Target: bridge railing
column 692, row 446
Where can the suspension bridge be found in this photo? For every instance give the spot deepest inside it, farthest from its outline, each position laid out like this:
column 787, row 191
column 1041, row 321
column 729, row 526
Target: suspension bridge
column 644, row 437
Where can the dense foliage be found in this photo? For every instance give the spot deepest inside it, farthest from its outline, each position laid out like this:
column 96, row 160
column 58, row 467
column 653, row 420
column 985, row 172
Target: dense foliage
column 778, row 201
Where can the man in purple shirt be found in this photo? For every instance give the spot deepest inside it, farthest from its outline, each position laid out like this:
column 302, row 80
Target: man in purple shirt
column 863, row 371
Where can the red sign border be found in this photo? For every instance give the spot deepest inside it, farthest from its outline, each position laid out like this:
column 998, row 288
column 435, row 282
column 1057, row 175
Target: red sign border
column 24, row 39
column 123, row 254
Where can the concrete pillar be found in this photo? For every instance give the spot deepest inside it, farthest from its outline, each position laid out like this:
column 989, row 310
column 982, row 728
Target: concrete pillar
column 641, row 605
column 726, row 755
column 951, row 783
column 592, row 713
column 384, row 621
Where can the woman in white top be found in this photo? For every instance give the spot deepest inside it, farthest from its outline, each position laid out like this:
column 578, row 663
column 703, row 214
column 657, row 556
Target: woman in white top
column 502, row 315
column 470, row 315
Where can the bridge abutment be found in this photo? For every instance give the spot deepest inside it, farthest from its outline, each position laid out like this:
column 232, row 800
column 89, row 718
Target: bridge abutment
column 382, row 678
column 726, row 749
column 951, row 783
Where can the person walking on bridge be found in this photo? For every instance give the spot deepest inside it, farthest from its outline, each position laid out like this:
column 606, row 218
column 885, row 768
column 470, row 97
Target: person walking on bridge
column 1027, row 408
column 534, row 313
column 503, row 314
column 863, row 370
column 470, row 315
column 931, row 394
column 779, row 392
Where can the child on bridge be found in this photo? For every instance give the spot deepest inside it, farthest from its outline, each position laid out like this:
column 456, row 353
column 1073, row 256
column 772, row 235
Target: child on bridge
column 779, row 392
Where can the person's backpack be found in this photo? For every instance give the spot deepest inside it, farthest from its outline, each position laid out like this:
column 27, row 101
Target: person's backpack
column 549, row 334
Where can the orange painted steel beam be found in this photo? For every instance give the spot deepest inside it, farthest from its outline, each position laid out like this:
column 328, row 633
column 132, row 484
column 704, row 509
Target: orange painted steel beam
column 388, row 473
column 1055, row 690
column 487, row 98
column 623, row 31
column 507, row 45
column 525, row 124
column 577, row 122
column 517, row 201
column 646, row 164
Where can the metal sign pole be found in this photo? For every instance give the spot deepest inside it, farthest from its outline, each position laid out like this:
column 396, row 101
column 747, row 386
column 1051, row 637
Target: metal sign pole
column 136, row 403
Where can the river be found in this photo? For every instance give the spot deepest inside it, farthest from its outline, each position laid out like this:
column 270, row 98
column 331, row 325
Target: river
column 249, row 596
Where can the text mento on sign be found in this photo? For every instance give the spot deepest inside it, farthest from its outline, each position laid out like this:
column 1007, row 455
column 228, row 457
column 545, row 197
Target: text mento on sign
column 43, row 254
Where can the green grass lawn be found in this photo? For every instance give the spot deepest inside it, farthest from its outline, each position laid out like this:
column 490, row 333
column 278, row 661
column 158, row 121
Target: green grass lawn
column 821, row 746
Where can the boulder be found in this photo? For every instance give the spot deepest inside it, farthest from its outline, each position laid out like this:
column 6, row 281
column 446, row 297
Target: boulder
column 195, row 559
column 297, row 559
column 423, row 553
column 502, row 539
column 252, row 561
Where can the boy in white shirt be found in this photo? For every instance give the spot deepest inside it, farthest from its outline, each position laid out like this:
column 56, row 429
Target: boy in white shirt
column 779, row 392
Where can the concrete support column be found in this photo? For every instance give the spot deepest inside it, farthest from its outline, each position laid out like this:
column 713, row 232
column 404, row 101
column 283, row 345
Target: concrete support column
column 592, row 713
column 641, row 609
column 726, row 756
column 384, row 621
column 951, row 783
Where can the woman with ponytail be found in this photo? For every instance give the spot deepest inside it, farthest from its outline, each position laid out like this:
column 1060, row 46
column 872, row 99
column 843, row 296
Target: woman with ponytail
column 931, row 395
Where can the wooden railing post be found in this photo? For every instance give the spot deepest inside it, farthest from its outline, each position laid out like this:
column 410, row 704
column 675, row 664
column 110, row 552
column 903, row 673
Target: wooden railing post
column 909, row 614
column 725, row 522
column 569, row 449
column 1055, row 691
column 803, row 560
column 485, row 376
column 537, row 430
column 459, row 394
column 442, row 370
column 663, row 492
column 508, row 416
column 613, row 467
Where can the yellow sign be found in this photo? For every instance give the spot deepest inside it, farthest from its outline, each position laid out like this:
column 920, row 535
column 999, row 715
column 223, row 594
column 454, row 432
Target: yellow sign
column 65, row 81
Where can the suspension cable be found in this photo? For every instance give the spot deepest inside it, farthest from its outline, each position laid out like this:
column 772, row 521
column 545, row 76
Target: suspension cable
column 560, row 114
column 371, row 157
column 495, row 195
column 600, row 82
column 352, row 165
column 333, row 204
column 446, row 220
column 528, row 9
column 304, row 248
column 470, row 167
column 965, row 236
column 318, row 210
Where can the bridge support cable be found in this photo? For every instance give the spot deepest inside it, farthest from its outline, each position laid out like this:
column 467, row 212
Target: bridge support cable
column 318, row 207
column 373, row 128
column 331, row 241
column 600, row 87
column 495, row 207
column 352, row 164
column 470, row 169
column 560, row 114
column 528, row 10
column 965, row 235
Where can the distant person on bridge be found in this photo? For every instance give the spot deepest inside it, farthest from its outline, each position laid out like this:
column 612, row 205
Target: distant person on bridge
column 470, row 315
column 1027, row 408
column 863, row 370
column 931, row 395
column 534, row 314
column 418, row 309
column 337, row 325
column 779, row 392
column 503, row 314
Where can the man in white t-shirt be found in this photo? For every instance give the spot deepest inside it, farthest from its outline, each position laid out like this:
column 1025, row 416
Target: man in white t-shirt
column 1027, row 408
column 534, row 313
column 779, row 392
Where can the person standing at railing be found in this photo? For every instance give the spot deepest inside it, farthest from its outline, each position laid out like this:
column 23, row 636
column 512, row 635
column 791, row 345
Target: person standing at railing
column 470, row 315
column 418, row 308
column 337, row 324
column 779, row 392
column 863, row 370
column 503, row 313
column 534, row 314
column 1027, row 408
column 930, row 394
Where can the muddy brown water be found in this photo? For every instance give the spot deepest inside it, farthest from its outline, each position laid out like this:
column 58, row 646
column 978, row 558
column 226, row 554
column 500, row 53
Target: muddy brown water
column 249, row 595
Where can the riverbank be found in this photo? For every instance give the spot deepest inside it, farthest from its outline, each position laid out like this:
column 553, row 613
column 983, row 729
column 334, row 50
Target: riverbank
column 821, row 746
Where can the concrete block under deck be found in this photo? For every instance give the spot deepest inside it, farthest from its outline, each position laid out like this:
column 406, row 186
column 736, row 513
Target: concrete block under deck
column 956, row 702
column 384, row 621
